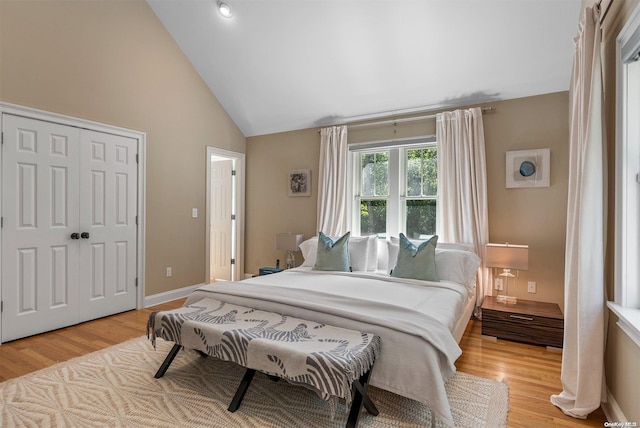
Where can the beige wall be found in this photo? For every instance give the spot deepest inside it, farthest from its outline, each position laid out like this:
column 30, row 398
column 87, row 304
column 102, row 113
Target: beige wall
column 113, row 62
column 536, row 217
column 622, row 355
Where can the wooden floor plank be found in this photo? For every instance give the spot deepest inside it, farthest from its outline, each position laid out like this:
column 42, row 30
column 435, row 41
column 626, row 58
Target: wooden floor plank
column 531, row 372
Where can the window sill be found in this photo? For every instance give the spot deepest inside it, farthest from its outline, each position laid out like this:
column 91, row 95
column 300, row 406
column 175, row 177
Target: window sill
column 629, row 320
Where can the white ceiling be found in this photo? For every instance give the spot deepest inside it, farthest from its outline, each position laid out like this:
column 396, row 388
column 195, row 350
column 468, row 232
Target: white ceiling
column 280, row 65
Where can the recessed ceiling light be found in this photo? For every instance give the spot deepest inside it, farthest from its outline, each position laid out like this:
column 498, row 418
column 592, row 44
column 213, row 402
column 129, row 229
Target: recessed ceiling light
column 225, row 9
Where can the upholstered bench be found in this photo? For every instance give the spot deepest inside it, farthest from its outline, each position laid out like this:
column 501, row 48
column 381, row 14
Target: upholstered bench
column 333, row 361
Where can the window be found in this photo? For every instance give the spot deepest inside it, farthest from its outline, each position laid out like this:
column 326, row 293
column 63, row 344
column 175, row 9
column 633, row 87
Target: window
column 627, row 221
column 394, row 189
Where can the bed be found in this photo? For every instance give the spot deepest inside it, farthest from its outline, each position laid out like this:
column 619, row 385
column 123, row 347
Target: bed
column 420, row 322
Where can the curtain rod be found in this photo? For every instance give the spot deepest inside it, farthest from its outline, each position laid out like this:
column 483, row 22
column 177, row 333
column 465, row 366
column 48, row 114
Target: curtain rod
column 407, row 119
column 484, row 109
column 604, row 6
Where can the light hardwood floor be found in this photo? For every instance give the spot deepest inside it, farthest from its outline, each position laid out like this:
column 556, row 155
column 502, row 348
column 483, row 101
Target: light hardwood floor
column 532, row 372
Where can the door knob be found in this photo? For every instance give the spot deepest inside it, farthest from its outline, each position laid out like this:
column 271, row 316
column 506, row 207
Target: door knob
column 75, row 235
column 84, row 235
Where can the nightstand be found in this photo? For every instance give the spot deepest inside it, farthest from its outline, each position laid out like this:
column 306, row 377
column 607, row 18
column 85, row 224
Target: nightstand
column 527, row 321
column 268, row 270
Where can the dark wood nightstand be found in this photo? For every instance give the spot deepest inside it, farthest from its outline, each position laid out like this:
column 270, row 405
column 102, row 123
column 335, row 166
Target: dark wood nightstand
column 527, row 321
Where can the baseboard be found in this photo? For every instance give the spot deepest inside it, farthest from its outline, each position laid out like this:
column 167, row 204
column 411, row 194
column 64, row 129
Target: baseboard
column 612, row 409
column 168, row 296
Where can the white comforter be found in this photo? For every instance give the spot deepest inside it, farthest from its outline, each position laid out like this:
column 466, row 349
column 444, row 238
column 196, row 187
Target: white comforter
column 413, row 318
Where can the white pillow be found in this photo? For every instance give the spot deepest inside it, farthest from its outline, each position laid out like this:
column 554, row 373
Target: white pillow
column 372, row 253
column 358, row 252
column 309, row 250
column 441, row 245
column 455, row 265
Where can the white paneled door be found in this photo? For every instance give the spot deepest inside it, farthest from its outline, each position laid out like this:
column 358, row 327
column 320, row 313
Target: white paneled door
column 108, row 184
column 68, row 225
column 221, row 227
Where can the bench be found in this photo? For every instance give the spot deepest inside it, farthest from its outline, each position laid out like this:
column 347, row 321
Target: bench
column 334, row 362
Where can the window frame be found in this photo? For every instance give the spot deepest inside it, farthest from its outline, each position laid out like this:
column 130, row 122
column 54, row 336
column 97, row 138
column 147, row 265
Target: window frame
column 396, row 201
column 627, row 186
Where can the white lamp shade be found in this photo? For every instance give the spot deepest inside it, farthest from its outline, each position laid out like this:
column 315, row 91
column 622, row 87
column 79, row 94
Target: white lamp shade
column 507, row 256
column 288, row 241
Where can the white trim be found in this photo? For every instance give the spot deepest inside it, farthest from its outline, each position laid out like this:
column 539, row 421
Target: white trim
column 141, row 137
column 612, row 410
column 239, row 210
column 629, row 320
column 626, row 281
column 171, row 295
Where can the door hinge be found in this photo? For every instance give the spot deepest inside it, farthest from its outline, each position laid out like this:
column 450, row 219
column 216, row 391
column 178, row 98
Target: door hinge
column 233, row 172
column 2, row 138
column 136, row 282
column 136, row 220
column 637, row 178
column 137, row 158
column 1, row 306
column 233, row 216
column 1, row 221
column 233, row 261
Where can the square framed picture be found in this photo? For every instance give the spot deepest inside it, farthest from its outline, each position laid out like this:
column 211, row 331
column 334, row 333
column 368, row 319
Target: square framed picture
column 300, row 182
column 528, row 168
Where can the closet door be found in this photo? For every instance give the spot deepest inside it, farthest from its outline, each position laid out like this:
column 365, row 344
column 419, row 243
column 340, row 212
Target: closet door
column 108, row 207
column 40, row 253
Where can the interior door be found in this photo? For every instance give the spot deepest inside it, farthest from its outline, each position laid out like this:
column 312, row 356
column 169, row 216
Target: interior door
column 108, row 207
column 40, row 183
column 221, row 227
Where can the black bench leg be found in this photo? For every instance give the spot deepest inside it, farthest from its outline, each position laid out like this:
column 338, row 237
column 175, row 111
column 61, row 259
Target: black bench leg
column 360, row 398
column 167, row 361
column 242, row 389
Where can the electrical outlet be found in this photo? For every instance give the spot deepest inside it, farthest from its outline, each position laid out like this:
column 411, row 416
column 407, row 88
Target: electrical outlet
column 531, row 287
column 499, row 284
column 169, row 272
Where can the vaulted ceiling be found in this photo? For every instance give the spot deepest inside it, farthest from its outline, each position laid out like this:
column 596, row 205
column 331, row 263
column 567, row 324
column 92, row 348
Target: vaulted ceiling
column 280, row 65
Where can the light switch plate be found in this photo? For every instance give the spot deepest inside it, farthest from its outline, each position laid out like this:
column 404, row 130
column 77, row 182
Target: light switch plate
column 531, row 287
column 194, row 213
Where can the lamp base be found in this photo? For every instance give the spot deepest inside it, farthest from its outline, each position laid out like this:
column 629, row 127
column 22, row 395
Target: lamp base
column 507, row 299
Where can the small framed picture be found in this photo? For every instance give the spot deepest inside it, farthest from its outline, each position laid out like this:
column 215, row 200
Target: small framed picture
column 528, row 168
column 300, row 182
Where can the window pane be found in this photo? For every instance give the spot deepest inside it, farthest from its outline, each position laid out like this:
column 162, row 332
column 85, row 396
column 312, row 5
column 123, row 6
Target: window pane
column 373, row 217
column 421, row 217
column 422, row 172
column 375, row 174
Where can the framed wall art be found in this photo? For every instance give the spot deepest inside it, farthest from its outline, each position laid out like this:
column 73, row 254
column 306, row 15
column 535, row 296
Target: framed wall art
column 300, row 182
column 528, row 168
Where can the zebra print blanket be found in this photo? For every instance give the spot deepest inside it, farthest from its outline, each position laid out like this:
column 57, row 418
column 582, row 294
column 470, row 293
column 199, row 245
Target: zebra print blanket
column 324, row 358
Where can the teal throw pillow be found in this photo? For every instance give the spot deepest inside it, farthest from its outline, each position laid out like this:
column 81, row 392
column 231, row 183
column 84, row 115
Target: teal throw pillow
column 416, row 262
column 333, row 255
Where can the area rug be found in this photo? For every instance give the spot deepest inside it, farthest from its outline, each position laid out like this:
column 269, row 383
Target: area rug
column 116, row 388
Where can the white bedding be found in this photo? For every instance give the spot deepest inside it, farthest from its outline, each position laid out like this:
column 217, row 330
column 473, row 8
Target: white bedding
column 415, row 320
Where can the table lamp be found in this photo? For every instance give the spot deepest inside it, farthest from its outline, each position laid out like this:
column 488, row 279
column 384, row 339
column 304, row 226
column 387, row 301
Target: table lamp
column 507, row 256
column 289, row 242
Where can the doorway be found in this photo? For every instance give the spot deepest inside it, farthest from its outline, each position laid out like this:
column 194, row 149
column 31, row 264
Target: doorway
column 225, row 215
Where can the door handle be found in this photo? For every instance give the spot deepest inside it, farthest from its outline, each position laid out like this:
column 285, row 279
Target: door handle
column 84, row 235
column 75, row 235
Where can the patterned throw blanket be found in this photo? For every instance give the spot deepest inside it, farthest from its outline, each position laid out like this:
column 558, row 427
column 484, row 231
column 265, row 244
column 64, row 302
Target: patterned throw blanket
column 324, row 358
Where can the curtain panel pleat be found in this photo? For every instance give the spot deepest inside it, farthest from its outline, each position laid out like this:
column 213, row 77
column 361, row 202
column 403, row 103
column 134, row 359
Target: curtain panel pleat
column 582, row 373
column 332, row 181
column 462, row 185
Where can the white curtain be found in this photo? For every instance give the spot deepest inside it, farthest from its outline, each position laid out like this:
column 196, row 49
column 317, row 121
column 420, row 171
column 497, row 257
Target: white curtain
column 462, row 184
column 584, row 289
column 332, row 181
